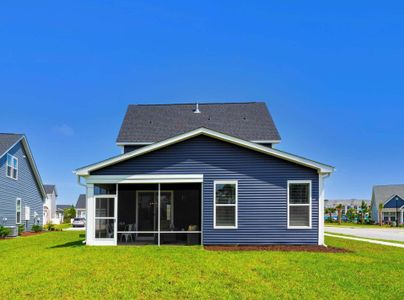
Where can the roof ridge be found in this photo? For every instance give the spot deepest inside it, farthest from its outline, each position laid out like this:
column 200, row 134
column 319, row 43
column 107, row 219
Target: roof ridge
column 193, row 103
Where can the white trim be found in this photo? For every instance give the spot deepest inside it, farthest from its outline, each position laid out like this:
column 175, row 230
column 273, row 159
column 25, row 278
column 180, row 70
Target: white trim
column 12, row 167
column 105, row 241
column 266, row 141
column 185, row 178
column 321, row 196
column 235, row 205
column 16, row 210
column 309, row 205
column 162, row 232
column 204, row 131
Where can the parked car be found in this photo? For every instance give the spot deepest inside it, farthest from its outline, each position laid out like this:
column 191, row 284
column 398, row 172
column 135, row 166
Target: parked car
column 79, row 222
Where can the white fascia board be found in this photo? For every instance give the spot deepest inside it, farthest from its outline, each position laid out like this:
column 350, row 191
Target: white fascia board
column 169, row 178
column 322, row 168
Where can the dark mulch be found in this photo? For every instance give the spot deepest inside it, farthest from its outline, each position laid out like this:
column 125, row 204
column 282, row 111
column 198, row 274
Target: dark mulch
column 285, row 248
column 29, row 233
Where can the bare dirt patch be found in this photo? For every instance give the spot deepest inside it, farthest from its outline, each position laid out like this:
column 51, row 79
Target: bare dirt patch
column 284, row 248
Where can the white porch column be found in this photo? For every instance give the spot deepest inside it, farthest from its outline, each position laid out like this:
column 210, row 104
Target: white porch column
column 90, row 220
column 401, row 216
column 321, row 209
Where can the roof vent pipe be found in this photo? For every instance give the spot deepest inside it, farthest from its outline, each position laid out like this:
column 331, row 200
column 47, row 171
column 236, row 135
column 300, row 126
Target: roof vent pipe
column 196, row 110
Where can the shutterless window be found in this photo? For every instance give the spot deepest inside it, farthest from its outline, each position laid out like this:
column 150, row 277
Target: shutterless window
column 225, row 205
column 12, row 166
column 299, row 204
column 18, row 211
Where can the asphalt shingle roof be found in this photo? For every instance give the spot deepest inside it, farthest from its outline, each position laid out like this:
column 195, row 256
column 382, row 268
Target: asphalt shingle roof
column 152, row 123
column 7, row 140
column 81, row 201
column 49, row 188
column 382, row 193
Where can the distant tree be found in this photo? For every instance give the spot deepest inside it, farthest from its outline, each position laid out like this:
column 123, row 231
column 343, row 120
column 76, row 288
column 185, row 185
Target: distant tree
column 364, row 210
column 330, row 211
column 381, row 213
column 339, row 210
column 68, row 214
column 351, row 214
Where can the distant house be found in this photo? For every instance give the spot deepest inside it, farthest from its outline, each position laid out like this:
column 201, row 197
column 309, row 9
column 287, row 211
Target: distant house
column 392, row 198
column 346, row 204
column 21, row 191
column 49, row 207
column 60, row 212
column 81, row 206
column 203, row 174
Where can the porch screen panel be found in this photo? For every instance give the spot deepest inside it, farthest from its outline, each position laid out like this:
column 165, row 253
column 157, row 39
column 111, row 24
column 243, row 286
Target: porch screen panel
column 104, row 218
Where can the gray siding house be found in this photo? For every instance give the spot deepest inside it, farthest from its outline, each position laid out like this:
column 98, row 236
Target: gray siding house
column 81, row 206
column 21, row 191
column 203, row 174
column 392, row 198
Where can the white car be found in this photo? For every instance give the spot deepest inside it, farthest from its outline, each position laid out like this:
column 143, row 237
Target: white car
column 79, row 222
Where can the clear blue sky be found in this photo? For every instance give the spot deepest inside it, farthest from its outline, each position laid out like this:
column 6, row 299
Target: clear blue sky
column 331, row 74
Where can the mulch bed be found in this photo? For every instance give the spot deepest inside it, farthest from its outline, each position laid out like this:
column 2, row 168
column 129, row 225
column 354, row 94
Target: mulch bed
column 277, row 248
column 29, row 233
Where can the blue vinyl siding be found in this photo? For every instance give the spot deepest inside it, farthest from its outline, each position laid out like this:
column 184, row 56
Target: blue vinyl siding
column 25, row 188
column 393, row 203
column 262, row 188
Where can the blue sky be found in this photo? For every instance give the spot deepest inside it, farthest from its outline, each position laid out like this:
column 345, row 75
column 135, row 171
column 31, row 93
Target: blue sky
column 331, row 74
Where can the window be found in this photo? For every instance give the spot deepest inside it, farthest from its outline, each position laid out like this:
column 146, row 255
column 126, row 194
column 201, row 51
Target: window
column 18, row 211
column 225, row 204
column 299, row 204
column 12, row 167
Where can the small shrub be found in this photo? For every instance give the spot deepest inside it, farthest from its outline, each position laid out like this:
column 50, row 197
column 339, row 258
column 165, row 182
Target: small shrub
column 21, row 228
column 50, row 226
column 4, row 231
column 36, row 228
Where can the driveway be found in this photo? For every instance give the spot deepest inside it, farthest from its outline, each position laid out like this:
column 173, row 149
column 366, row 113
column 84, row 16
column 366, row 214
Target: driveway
column 393, row 234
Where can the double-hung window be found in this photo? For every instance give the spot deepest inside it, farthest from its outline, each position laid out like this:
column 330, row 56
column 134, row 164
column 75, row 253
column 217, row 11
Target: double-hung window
column 18, row 210
column 299, row 204
column 225, row 204
column 12, row 167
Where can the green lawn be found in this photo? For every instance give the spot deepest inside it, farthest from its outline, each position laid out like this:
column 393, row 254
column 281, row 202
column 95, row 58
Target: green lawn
column 57, row 265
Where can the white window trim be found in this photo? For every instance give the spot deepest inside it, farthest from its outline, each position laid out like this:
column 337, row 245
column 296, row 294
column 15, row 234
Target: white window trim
column 310, row 203
column 16, row 210
column 235, row 182
column 12, row 167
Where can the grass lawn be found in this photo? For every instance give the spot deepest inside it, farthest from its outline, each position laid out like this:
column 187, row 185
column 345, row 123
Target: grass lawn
column 58, row 265
column 62, row 226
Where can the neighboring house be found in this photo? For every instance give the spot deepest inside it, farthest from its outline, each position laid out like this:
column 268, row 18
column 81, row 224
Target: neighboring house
column 346, row 204
column 204, row 174
column 60, row 212
column 21, row 191
column 81, row 206
column 49, row 207
column 392, row 197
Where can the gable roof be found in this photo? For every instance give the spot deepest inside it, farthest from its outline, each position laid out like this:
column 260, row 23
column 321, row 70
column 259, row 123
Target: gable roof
column 50, row 188
column 146, row 124
column 382, row 193
column 322, row 168
column 81, row 201
column 8, row 141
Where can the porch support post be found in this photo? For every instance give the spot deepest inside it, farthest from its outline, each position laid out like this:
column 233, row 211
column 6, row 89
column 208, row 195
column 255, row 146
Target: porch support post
column 401, row 216
column 158, row 215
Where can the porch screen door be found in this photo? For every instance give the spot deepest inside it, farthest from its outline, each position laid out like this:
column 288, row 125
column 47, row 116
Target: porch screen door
column 105, row 216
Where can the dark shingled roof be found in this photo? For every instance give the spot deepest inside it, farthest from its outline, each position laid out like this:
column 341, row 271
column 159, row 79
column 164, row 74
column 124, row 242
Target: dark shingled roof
column 49, row 188
column 61, row 207
column 7, row 140
column 81, row 201
column 250, row 121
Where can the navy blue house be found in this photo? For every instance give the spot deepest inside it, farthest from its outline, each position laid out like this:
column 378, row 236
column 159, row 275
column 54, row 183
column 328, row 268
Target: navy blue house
column 203, row 174
column 21, row 191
